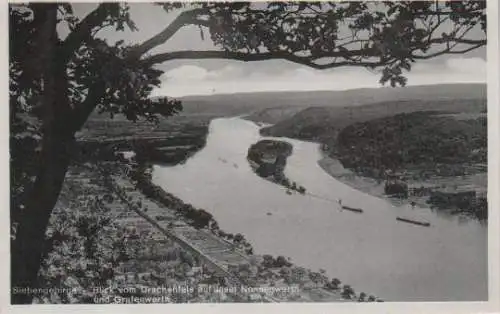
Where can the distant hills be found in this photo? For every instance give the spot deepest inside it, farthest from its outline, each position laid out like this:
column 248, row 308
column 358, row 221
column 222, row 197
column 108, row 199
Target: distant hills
column 317, row 123
column 314, row 115
column 272, row 107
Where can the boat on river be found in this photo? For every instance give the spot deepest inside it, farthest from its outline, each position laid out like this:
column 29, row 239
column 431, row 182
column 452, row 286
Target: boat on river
column 415, row 222
column 356, row 210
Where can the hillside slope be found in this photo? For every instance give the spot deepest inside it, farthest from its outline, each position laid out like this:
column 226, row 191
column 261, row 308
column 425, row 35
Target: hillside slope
column 323, row 123
column 286, row 105
column 432, row 143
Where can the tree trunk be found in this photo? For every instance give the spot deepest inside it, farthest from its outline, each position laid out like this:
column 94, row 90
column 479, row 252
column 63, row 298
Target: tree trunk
column 28, row 248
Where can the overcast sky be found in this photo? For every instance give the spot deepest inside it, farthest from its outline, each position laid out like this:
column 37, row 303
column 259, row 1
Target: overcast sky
column 195, row 77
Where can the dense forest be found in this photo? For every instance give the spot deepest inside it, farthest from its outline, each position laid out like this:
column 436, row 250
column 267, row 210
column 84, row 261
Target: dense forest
column 428, row 141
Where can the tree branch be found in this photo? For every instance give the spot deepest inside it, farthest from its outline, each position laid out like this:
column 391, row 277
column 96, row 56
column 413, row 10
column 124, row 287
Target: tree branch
column 185, row 18
column 248, row 57
column 83, row 30
column 480, row 42
column 446, row 51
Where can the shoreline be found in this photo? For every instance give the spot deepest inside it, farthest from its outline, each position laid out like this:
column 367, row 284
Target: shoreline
column 334, row 168
column 329, row 287
column 201, row 257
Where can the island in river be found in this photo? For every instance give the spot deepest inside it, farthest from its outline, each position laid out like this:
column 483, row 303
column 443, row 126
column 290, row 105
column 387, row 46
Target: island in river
column 268, row 159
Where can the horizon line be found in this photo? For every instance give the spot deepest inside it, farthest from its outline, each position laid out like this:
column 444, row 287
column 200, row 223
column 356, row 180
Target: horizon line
column 322, row 90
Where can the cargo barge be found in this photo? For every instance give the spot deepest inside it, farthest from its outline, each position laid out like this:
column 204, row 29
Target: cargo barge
column 415, row 222
column 356, row 210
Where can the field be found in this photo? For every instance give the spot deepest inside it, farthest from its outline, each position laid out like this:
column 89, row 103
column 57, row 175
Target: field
column 171, row 141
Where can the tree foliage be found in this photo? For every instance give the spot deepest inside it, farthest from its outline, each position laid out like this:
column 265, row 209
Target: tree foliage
column 385, row 35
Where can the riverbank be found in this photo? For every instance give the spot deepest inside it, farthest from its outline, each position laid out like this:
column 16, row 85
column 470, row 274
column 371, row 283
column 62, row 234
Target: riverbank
column 270, row 271
column 162, row 241
column 374, row 187
column 136, row 254
column 367, row 185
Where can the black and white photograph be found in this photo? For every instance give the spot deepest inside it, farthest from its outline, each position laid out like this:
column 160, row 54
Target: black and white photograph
column 250, row 152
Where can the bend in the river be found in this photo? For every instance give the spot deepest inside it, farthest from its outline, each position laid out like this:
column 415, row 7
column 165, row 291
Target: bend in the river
column 371, row 251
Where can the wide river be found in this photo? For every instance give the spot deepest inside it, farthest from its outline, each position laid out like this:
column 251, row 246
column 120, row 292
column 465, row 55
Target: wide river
column 371, row 251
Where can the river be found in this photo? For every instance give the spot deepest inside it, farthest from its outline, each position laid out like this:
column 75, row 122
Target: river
column 372, row 252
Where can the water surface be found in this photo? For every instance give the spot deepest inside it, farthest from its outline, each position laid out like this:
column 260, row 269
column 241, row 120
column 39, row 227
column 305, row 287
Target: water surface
column 372, row 251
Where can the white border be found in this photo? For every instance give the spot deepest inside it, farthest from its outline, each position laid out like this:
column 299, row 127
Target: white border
column 493, row 154
column 492, row 306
